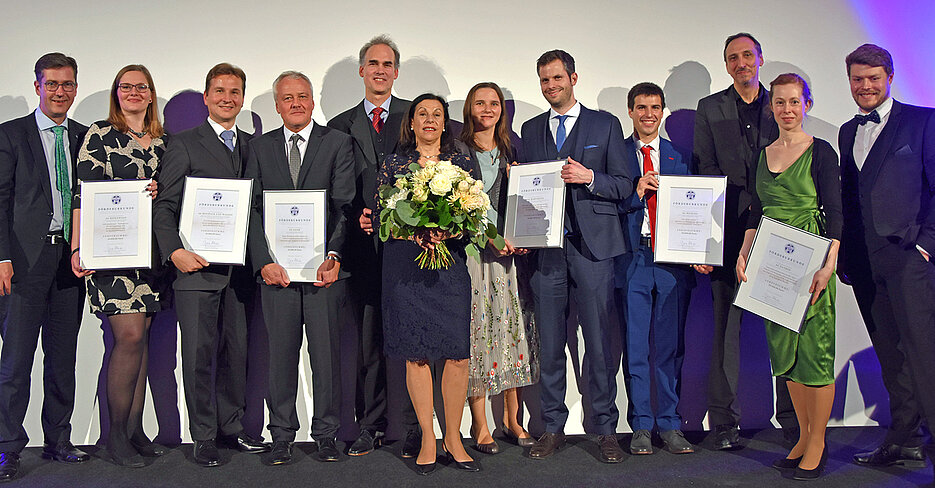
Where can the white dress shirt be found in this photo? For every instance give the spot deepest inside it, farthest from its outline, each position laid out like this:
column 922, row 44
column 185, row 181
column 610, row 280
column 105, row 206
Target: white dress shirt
column 369, row 106
column 868, row 133
column 218, row 128
column 305, row 133
column 45, row 124
column 654, row 156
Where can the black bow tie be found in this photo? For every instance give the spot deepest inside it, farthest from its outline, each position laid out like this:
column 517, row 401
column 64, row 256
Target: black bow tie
column 871, row 117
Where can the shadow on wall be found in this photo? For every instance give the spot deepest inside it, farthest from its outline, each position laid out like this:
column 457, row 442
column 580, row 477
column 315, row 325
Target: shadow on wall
column 613, row 99
column 12, row 107
column 864, row 367
column 341, row 87
column 186, row 110
column 686, row 84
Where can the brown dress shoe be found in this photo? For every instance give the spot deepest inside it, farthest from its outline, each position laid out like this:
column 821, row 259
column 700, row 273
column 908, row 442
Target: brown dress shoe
column 610, row 449
column 547, row 444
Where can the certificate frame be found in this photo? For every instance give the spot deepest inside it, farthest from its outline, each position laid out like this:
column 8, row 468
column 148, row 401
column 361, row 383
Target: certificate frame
column 747, row 298
column 90, row 252
column 553, row 233
column 667, row 197
column 319, row 201
column 243, row 187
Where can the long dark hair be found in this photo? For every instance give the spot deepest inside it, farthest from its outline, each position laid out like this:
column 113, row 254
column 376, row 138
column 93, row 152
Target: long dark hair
column 501, row 135
column 407, row 139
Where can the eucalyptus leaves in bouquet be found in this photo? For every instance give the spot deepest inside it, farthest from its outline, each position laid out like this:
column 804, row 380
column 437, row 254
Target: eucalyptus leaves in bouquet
column 437, row 197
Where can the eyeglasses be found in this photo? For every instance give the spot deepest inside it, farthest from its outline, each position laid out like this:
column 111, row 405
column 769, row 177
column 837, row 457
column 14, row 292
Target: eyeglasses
column 128, row 87
column 52, row 86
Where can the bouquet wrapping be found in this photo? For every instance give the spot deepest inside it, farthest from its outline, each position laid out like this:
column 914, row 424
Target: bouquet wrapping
column 437, row 197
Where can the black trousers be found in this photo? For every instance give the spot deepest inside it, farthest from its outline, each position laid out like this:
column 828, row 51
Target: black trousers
column 213, row 324
column 895, row 291
column 724, row 368
column 285, row 311
column 364, row 305
column 47, row 301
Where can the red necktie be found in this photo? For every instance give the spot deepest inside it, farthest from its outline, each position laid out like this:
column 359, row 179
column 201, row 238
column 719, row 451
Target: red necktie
column 377, row 120
column 650, row 196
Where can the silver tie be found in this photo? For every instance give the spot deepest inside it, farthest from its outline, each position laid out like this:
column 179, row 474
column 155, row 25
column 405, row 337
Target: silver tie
column 295, row 158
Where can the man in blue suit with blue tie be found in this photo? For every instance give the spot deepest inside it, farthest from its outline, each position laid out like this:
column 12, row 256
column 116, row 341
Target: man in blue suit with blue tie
column 597, row 176
column 651, row 296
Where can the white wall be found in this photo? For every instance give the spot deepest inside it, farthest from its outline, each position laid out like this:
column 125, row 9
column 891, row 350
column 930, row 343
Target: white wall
column 446, row 47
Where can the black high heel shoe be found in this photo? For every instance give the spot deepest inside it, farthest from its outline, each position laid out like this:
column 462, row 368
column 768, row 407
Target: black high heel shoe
column 812, row 474
column 467, row 465
column 425, row 469
column 786, row 464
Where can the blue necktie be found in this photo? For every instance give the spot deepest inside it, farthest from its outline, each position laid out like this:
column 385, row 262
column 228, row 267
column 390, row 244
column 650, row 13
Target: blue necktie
column 228, row 137
column 560, row 133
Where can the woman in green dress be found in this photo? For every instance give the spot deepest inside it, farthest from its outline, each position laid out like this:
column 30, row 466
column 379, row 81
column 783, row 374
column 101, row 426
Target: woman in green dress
column 798, row 182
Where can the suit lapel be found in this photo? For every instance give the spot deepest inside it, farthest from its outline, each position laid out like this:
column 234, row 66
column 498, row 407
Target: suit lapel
column 394, row 121
column 848, row 135
column 216, row 148
column 667, row 159
column 311, row 149
column 881, row 147
column 360, row 131
column 38, row 155
column 241, row 148
column 280, row 160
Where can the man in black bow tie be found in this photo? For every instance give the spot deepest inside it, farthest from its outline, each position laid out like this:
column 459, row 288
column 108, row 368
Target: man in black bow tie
column 888, row 181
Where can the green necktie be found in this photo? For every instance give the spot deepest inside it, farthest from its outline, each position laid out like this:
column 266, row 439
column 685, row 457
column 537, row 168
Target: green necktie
column 62, row 182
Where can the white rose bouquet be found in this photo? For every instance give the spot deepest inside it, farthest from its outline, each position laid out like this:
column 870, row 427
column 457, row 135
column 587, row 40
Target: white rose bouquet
column 438, row 197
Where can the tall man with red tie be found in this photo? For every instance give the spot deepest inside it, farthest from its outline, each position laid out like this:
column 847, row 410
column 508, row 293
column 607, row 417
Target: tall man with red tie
column 651, row 297
column 374, row 126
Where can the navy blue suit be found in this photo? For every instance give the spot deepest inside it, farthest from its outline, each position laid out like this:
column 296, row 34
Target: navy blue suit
column 637, row 276
column 888, row 210
column 583, row 267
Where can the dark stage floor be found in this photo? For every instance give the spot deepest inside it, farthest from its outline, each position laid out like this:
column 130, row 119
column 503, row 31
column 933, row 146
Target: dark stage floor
column 576, row 465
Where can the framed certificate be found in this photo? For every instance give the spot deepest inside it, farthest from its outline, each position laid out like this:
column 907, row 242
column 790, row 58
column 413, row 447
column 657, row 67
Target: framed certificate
column 116, row 230
column 535, row 207
column 295, row 227
column 214, row 218
column 690, row 219
column 779, row 272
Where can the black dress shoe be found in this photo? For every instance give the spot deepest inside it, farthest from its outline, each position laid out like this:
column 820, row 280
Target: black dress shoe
column 675, row 442
column 206, row 453
column 412, row 445
column 641, row 443
column 9, row 465
column 547, row 444
column 891, row 455
column 327, row 450
column 65, row 452
column 471, row 465
column 366, row 442
column 280, row 453
column 786, row 464
column 243, row 442
column 610, row 449
column 148, row 448
column 727, row 437
column 425, row 469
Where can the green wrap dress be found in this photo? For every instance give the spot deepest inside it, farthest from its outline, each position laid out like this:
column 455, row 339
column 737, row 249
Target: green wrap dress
column 791, row 197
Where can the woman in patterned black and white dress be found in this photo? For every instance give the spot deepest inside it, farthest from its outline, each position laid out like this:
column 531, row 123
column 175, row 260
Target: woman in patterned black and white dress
column 128, row 145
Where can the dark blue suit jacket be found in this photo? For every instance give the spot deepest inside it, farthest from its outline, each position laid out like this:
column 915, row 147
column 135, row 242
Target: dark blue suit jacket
column 631, row 209
column 599, row 146
column 890, row 199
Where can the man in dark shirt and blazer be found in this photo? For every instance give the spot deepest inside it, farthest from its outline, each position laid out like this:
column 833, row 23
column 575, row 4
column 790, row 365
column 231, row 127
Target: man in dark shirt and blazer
column 204, row 292
column 38, row 292
column 887, row 185
column 597, row 176
column 374, row 126
column 730, row 128
column 302, row 155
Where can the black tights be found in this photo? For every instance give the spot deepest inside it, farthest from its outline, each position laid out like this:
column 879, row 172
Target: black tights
column 126, row 380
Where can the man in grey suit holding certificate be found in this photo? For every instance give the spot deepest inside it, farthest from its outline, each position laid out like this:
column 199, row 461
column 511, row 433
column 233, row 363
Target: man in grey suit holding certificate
column 205, row 292
column 302, row 155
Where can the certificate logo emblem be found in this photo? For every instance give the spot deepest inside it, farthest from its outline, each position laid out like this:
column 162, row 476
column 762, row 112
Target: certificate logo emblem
column 536, row 181
column 690, row 194
column 217, row 196
column 116, row 199
column 294, row 211
column 790, row 249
